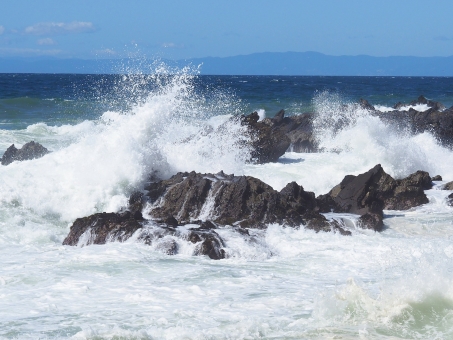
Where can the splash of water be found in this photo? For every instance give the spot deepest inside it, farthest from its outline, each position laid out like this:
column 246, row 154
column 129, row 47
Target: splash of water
column 96, row 164
column 365, row 140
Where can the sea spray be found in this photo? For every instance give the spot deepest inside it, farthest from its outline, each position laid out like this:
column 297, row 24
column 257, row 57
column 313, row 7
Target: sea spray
column 362, row 138
column 94, row 166
column 277, row 283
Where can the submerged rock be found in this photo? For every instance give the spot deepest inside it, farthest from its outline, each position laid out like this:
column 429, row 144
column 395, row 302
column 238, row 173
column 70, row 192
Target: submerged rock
column 30, row 150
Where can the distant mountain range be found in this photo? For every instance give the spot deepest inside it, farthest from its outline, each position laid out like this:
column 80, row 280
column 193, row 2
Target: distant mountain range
column 268, row 63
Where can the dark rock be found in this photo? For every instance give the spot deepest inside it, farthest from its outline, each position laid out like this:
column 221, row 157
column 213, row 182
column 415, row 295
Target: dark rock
column 118, row 227
column 102, row 227
column 229, row 200
column 436, row 178
column 30, row 150
column 136, row 201
column 419, row 179
column 450, row 200
column 211, row 244
column 268, row 144
column 371, row 192
column 448, row 186
column 299, row 129
column 435, row 120
column 371, row 221
column 278, row 118
column 364, row 104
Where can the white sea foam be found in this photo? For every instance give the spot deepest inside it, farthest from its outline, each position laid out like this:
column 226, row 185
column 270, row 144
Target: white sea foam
column 95, row 165
column 418, row 107
column 275, row 283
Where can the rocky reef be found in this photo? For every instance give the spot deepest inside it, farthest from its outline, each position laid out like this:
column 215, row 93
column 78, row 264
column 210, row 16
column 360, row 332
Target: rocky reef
column 192, row 206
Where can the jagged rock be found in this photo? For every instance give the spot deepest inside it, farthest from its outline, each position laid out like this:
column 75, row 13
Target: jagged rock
column 436, row 178
column 136, row 201
column 372, row 220
column 419, row 179
column 230, row 200
column 102, row 227
column 118, row 227
column 450, row 200
column 448, row 186
column 435, row 120
column 432, row 104
column 268, row 144
column 364, row 104
column 30, row 150
column 210, row 244
column 299, row 129
column 369, row 193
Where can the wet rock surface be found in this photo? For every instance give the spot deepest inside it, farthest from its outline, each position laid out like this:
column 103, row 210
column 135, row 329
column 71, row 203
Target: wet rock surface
column 268, row 144
column 448, row 186
column 369, row 193
column 118, row 227
column 203, row 203
column 299, row 128
column 272, row 137
column 436, row 119
column 28, row 151
column 232, row 200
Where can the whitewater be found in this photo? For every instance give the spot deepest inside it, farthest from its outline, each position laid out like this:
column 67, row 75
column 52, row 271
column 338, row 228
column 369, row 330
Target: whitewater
column 286, row 283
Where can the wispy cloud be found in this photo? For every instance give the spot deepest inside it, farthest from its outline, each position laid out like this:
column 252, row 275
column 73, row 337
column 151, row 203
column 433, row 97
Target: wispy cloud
column 57, row 28
column 2, row 30
column 46, row 42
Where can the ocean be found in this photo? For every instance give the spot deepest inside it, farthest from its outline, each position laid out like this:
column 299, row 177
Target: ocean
column 107, row 133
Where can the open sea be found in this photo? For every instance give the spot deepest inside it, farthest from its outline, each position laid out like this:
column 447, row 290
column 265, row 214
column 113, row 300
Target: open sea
column 108, row 132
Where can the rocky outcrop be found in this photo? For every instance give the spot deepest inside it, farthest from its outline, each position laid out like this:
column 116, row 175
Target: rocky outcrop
column 435, row 120
column 213, row 201
column 103, row 227
column 233, row 200
column 268, row 144
column 118, row 227
column 369, row 193
column 419, row 101
column 30, row 150
column 299, row 130
column 271, row 137
column 448, row 186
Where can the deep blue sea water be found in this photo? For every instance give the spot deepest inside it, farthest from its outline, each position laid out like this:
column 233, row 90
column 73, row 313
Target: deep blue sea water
column 59, row 98
column 107, row 133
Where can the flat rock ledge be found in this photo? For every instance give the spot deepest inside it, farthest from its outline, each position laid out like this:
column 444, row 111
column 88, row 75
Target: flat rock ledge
column 28, row 151
column 204, row 203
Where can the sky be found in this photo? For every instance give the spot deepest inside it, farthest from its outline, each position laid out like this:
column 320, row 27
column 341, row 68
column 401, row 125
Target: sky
column 220, row 28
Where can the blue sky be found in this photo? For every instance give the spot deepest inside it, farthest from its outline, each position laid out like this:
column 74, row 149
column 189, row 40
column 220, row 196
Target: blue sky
column 200, row 28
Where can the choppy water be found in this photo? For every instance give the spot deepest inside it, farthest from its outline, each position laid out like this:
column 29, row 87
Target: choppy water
column 108, row 132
